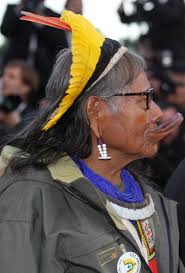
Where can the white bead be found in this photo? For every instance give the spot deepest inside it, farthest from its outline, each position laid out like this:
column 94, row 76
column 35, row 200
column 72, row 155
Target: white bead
column 102, row 148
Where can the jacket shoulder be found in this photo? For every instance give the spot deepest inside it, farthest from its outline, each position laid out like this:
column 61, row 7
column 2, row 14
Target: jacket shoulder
column 22, row 193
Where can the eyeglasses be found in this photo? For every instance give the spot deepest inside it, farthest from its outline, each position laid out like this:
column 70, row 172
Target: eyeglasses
column 148, row 93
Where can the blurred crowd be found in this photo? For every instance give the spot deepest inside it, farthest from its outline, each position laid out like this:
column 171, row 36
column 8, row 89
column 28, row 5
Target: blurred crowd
column 27, row 59
column 163, row 47
column 30, row 52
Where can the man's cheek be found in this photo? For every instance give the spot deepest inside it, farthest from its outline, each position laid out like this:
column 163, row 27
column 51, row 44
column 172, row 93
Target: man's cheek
column 2, row 116
column 141, row 119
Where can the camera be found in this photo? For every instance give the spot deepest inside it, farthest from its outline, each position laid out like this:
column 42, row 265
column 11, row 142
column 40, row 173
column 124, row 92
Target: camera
column 9, row 103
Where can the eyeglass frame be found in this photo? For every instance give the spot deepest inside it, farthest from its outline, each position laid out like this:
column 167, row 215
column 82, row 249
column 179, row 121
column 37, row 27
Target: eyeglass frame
column 148, row 93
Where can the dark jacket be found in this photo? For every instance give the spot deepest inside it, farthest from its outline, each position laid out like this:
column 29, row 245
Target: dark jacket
column 175, row 189
column 49, row 41
column 52, row 220
column 166, row 22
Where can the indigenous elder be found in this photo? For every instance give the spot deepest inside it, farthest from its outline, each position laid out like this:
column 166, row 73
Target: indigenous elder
column 68, row 201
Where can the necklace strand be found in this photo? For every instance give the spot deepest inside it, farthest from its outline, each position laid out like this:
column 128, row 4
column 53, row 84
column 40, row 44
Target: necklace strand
column 132, row 193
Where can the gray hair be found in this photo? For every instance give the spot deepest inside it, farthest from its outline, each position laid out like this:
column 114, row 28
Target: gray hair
column 116, row 81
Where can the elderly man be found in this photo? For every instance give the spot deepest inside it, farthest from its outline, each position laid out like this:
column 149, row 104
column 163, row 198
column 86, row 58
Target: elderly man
column 69, row 202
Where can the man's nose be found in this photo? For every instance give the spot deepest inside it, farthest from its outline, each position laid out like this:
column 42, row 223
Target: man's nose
column 157, row 113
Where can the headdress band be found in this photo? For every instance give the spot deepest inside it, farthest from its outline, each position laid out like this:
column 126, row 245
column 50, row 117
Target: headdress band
column 87, row 46
column 114, row 60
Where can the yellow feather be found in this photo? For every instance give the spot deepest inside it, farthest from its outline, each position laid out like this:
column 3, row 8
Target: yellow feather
column 86, row 50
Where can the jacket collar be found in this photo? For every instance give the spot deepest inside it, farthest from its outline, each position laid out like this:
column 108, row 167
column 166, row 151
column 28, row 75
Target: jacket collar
column 65, row 170
column 6, row 155
column 67, row 173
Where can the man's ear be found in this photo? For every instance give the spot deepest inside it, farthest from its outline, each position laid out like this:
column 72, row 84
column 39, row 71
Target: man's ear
column 93, row 106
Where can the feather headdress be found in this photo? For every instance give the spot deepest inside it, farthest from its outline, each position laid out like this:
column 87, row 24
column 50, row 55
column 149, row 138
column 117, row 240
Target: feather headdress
column 87, row 44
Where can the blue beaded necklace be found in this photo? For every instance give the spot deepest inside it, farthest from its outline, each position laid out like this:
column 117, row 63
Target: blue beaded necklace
column 132, row 193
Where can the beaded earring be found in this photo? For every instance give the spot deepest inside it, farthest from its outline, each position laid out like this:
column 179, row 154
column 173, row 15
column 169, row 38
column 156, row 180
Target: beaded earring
column 102, row 148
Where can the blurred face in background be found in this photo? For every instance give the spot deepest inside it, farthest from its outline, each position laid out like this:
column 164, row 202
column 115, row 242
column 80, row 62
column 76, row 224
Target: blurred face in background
column 178, row 98
column 12, row 83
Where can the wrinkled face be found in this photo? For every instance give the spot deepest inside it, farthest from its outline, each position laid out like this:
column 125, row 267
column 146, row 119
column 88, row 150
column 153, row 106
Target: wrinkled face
column 123, row 121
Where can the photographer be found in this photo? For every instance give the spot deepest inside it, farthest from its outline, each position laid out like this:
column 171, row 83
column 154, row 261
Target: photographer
column 165, row 19
column 19, row 83
column 31, row 42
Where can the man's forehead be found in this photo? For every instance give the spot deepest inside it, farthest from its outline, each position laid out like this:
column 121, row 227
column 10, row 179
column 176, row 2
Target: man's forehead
column 141, row 83
column 13, row 69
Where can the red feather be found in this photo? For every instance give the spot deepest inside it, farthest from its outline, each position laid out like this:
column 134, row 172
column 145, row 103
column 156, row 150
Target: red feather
column 48, row 21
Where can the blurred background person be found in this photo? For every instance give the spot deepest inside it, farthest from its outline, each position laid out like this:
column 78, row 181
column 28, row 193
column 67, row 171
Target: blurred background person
column 165, row 20
column 19, row 83
column 31, row 42
column 169, row 84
